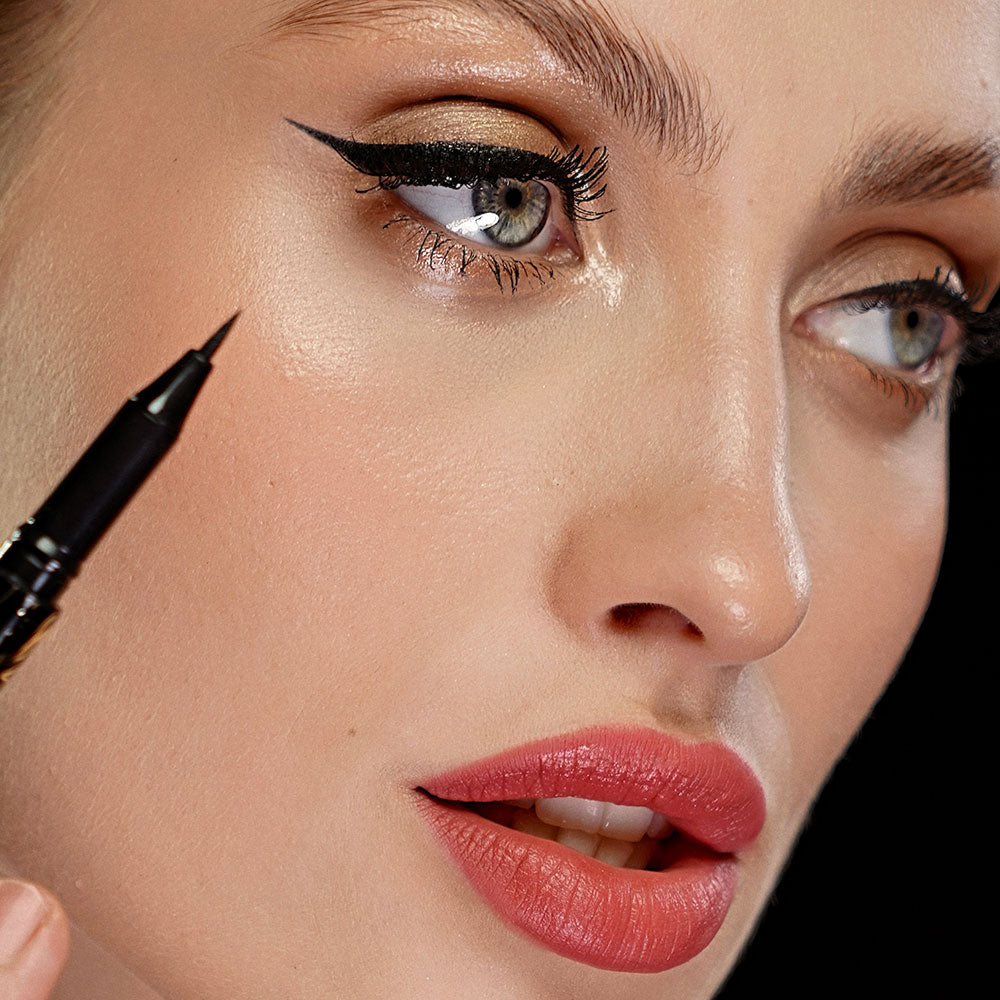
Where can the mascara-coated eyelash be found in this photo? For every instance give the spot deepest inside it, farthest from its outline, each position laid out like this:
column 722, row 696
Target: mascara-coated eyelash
column 507, row 271
column 980, row 329
column 456, row 164
column 903, row 332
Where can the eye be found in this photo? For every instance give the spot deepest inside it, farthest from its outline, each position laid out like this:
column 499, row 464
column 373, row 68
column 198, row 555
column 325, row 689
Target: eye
column 908, row 337
column 523, row 208
column 505, row 214
column 904, row 329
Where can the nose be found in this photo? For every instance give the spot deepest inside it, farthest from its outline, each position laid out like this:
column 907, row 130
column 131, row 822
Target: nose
column 682, row 532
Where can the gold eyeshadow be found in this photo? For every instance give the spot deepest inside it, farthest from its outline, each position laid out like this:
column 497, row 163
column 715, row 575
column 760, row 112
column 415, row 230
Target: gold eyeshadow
column 460, row 121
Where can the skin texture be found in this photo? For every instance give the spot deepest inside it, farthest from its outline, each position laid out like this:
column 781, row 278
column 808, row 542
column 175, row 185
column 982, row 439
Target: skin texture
column 400, row 517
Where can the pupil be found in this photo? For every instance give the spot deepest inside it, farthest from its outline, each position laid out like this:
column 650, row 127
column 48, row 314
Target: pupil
column 521, row 208
column 912, row 319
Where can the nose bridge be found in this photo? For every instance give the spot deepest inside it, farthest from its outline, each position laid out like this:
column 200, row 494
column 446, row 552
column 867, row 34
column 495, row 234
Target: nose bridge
column 711, row 371
column 699, row 520
column 730, row 485
column 735, row 421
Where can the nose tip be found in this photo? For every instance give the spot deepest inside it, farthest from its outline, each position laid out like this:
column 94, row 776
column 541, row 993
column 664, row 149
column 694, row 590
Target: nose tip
column 750, row 619
column 757, row 604
column 727, row 590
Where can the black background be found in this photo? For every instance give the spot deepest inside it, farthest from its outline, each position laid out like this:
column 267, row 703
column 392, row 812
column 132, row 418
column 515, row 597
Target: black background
column 880, row 896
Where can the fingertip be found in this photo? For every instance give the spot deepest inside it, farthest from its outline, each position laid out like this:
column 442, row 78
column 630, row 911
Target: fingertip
column 33, row 972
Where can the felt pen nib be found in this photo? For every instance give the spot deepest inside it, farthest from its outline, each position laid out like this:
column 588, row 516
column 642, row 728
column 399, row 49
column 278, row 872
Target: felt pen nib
column 209, row 349
column 168, row 398
column 40, row 558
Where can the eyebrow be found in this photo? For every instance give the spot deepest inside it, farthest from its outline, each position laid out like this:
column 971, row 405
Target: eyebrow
column 666, row 100
column 660, row 98
column 901, row 163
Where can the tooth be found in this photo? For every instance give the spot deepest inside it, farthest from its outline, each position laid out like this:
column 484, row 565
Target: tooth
column 520, row 803
column 659, row 826
column 626, row 822
column 580, row 814
column 593, row 816
column 642, row 853
column 526, row 821
column 585, row 843
column 614, row 852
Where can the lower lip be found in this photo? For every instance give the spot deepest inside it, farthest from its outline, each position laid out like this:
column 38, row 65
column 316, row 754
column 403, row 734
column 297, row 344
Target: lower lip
column 612, row 918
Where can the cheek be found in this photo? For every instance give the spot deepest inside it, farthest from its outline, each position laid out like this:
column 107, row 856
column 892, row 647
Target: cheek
column 226, row 662
column 873, row 532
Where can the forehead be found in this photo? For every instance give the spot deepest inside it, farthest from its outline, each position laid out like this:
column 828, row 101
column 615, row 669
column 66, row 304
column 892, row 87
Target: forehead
column 739, row 42
column 691, row 76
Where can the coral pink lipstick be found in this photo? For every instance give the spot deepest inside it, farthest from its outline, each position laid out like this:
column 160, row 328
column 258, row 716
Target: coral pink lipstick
column 614, row 918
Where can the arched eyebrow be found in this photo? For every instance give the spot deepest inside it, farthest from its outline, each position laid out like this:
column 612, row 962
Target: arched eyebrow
column 660, row 98
column 666, row 100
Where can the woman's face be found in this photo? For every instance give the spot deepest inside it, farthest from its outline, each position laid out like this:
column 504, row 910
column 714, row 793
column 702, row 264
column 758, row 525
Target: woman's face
column 417, row 519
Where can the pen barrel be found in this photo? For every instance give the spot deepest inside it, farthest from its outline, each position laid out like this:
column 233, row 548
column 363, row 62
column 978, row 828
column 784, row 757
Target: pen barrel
column 40, row 558
column 23, row 619
column 33, row 571
column 109, row 473
column 112, row 469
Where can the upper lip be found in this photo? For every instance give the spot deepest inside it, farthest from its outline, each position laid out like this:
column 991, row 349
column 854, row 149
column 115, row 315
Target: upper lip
column 706, row 790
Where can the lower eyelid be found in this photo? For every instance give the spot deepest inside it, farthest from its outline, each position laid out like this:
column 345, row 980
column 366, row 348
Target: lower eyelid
column 883, row 399
column 448, row 256
column 914, row 395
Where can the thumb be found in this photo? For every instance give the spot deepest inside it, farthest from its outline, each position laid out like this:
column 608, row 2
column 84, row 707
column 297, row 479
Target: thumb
column 34, row 941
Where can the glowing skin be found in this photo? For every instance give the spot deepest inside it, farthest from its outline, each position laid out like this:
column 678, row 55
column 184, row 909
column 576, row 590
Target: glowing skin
column 409, row 558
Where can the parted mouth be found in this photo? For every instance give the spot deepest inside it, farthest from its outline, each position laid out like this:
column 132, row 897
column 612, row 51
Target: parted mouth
column 615, row 846
column 547, row 833
column 618, row 835
column 608, row 786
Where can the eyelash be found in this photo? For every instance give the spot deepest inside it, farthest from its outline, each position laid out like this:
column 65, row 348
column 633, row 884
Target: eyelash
column 501, row 266
column 458, row 164
column 980, row 330
column 576, row 175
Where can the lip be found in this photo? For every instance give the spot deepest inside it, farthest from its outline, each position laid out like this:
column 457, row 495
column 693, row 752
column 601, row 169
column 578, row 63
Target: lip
column 612, row 918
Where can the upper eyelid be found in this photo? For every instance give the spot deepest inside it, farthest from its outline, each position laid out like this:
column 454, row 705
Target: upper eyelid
column 577, row 175
column 458, row 163
column 980, row 328
column 926, row 292
column 915, row 291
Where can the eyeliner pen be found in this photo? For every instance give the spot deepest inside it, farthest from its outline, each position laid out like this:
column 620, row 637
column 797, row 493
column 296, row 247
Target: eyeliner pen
column 44, row 554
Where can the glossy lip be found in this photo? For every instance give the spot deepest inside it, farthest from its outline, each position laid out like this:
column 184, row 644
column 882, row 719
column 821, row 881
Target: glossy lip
column 612, row 918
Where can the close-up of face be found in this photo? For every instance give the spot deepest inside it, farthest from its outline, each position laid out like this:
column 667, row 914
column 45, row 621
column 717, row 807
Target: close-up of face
column 583, row 436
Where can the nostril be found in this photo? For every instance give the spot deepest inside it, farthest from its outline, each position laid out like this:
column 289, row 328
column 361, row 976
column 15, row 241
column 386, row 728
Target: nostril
column 644, row 617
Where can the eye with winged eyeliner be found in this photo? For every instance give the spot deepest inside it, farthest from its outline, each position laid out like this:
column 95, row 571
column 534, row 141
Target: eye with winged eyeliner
column 456, row 164
column 415, row 168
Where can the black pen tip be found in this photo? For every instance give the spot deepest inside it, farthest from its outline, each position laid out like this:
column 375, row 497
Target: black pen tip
column 210, row 347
